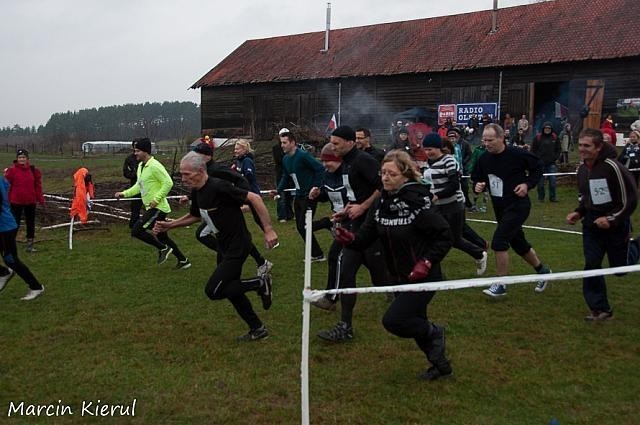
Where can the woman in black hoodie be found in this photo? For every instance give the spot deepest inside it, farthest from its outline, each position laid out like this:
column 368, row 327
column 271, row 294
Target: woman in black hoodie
column 415, row 240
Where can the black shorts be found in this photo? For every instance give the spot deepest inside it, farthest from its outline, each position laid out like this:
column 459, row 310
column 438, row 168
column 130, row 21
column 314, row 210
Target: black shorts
column 509, row 231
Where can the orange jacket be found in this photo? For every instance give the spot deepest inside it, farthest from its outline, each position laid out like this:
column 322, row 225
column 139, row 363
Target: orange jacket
column 83, row 187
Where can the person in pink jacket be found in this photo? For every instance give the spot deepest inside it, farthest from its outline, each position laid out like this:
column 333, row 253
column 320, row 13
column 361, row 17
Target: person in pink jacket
column 25, row 192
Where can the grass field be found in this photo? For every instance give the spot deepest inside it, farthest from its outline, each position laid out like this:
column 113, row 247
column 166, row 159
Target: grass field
column 114, row 326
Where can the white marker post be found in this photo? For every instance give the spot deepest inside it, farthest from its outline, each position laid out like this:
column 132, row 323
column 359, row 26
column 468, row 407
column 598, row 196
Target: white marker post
column 306, row 312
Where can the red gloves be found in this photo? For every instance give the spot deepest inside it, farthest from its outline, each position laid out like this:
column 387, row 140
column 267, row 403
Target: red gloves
column 344, row 236
column 420, row 270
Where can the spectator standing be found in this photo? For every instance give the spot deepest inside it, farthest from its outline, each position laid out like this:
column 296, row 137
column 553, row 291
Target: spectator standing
column 25, row 192
column 462, row 154
column 609, row 129
column 9, row 251
column 546, row 146
column 607, row 198
column 508, row 173
column 417, row 151
column 129, row 171
column 243, row 163
column 565, row 142
column 523, row 124
column 630, row 155
column 401, row 140
column 474, row 128
column 519, row 138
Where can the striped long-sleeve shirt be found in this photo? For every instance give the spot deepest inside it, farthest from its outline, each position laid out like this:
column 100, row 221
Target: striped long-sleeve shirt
column 443, row 174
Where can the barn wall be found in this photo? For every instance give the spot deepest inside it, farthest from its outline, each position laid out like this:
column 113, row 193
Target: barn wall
column 259, row 110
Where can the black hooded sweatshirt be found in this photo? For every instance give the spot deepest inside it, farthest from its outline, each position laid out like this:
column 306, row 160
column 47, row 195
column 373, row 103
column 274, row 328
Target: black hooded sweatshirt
column 409, row 231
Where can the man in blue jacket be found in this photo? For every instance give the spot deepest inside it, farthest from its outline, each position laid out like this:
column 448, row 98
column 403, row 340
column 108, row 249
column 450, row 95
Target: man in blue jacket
column 306, row 172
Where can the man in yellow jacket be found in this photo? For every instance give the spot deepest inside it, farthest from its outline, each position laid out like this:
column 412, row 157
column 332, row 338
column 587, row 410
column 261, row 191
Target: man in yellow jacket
column 153, row 185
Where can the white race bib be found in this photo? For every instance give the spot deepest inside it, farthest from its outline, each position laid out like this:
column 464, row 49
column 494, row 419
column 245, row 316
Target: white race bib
column 599, row 191
column 496, row 186
column 345, row 181
column 204, row 214
column 141, row 188
column 336, row 201
column 295, row 180
column 426, row 176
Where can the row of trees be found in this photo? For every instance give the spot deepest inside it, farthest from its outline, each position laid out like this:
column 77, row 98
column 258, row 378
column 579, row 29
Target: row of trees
column 178, row 121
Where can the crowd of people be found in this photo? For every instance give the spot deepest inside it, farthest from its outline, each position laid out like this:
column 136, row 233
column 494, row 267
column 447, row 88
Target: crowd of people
column 397, row 211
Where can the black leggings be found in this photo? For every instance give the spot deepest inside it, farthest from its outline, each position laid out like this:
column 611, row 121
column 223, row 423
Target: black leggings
column 29, row 217
column 406, row 317
column 225, row 282
column 300, row 206
column 10, row 257
column 141, row 230
column 349, row 262
column 456, row 222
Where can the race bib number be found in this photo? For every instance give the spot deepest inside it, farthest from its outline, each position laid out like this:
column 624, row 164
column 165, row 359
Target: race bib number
column 204, row 214
column 599, row 191
column 426, row 176
column 336, row 201
column 345, row 181
column 295, row 181
column 496, row 186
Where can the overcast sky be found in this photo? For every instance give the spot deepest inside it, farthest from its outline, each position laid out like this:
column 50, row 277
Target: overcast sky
column 66, row 55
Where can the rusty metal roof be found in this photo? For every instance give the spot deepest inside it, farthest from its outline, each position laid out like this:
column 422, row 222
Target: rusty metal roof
column 553, row 31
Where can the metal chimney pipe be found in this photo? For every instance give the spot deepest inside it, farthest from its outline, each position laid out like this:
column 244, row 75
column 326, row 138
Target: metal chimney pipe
column 326, row 34
column 494, row 17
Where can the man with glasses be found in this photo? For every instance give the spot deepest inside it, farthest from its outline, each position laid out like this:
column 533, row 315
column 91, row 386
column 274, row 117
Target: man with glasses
column 363, row 142
column 509, row 173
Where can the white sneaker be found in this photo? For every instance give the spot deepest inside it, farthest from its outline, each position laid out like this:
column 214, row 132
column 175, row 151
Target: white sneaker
column 6, row 278
column 33, row 294
column 481, row 264
column 265, row 268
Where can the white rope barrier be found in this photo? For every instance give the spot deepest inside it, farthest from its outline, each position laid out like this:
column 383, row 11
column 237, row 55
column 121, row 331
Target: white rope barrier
column 60, row 198
column 572, row 173
column 315, row 294
column 56, row 226
column 549, row 229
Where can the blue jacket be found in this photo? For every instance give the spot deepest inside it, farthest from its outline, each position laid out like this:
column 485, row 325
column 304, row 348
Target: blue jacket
column 304, row 170
column 7, row 221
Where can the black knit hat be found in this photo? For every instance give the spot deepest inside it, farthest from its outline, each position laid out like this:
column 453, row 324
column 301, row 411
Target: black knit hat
column 404, row 130
column 433, row 140
column 203, row 149
column 143, row 144
column 22, row 152
column 454, row 130
column 345, row 132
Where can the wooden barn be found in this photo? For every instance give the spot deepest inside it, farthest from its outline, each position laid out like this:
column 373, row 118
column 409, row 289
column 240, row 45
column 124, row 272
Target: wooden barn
column 528, row 59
